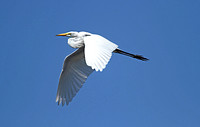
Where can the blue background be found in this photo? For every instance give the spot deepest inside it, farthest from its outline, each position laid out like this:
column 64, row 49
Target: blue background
column 163, row 92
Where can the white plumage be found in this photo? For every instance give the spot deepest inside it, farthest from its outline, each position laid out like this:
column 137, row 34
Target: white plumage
column 73, row 75
column 98, row 51
column 94, row 53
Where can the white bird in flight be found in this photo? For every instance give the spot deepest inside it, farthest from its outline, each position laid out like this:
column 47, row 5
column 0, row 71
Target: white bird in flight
column 93, row 53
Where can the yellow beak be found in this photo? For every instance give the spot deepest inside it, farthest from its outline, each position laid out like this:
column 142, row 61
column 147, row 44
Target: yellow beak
column 64, row 34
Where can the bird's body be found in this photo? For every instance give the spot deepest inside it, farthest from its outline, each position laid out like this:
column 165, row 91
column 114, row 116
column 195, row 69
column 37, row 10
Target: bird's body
column 94, row 53
column 77, row 41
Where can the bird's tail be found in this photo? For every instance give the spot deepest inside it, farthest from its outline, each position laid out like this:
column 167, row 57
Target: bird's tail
column 139, row 57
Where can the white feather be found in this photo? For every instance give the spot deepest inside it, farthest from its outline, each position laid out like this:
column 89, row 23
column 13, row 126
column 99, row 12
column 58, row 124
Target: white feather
column 74, row 73
column 98, row 51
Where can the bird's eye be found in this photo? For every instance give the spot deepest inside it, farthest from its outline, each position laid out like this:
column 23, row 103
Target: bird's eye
column 87, row 35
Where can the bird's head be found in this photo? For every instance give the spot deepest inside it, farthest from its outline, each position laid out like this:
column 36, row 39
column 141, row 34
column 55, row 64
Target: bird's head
column 75, row 34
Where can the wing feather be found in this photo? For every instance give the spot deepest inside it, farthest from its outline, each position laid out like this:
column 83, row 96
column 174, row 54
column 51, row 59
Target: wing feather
column 98, row 51
column 74, row 73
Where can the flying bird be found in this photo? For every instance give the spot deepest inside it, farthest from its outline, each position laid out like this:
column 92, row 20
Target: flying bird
column 93, row 53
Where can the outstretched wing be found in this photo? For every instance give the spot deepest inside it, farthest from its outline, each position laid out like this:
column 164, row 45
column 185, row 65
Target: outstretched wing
column 74, row 73
column 98, row 51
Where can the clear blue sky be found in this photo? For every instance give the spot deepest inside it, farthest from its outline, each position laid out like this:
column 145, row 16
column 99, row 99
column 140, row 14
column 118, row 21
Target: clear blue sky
column 163, row 92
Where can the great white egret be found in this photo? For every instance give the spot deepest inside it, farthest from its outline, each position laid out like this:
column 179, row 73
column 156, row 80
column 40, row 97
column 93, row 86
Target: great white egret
column 93, row 53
